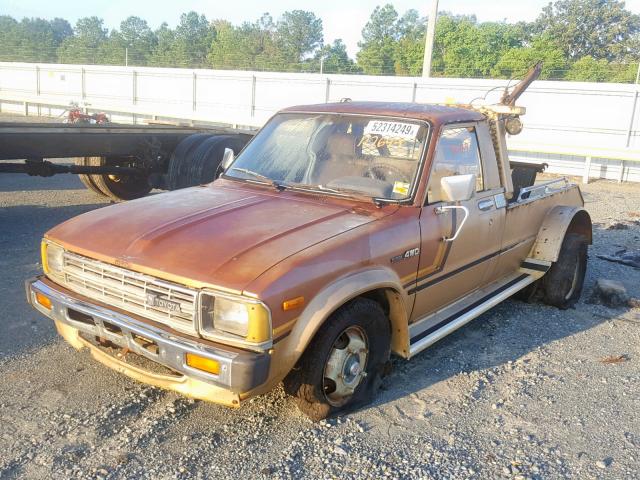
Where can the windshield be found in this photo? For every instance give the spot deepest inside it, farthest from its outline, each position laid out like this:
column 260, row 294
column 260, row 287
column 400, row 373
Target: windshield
column 348, row 154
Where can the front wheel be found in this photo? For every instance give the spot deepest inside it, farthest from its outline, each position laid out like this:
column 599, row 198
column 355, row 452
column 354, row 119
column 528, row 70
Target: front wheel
column 563, row 282
column 343, row 365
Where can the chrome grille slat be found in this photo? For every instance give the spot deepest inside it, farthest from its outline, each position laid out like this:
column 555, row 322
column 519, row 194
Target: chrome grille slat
column 128, row 290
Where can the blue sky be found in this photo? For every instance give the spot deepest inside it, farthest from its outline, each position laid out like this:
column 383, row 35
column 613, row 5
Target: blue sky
column 341, row 19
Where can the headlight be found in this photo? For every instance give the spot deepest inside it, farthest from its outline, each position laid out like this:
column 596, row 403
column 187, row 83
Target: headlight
column 226, row 317
column 52, row 258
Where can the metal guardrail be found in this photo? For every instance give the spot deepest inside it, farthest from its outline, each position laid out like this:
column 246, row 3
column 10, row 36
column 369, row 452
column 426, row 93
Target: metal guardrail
column 624, row 155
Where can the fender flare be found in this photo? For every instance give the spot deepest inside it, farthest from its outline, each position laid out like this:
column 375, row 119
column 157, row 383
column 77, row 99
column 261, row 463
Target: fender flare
column 336, row 294
column 559, row 221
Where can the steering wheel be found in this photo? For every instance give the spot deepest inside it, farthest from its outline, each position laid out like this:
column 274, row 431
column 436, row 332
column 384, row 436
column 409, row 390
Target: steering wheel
column 387, row 172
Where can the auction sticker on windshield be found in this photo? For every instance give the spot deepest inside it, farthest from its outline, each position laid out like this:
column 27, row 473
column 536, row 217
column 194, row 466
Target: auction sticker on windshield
column 392, row 129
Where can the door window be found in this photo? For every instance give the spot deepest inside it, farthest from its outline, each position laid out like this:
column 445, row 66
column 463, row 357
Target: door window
column 457, row 153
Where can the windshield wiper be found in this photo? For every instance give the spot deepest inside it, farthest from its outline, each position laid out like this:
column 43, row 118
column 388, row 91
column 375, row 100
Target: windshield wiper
column 260, row 176
column 353, row 194
column 314, row 187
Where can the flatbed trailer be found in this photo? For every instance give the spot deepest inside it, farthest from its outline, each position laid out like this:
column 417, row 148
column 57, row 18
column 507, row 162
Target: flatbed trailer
column 119, row 161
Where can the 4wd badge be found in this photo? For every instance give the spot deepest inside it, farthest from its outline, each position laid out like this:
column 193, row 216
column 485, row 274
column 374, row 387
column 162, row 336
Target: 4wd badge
column 406, row 255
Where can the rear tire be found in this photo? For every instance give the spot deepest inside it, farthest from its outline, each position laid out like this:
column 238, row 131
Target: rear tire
column 197, row 163
column 343, row 365
column 207, row 158
column 180, row 159
column 562, row 285
column 119, row 187
column 86, row 179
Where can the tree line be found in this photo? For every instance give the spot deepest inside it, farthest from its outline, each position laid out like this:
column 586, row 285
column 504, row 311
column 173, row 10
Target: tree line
column 580, row 40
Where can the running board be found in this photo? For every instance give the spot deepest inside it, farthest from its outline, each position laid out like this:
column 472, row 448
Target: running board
column 445, row 321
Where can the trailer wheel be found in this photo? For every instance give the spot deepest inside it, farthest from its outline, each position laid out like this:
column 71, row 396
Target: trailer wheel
column 206, row 159
column 178, row 164
column 86, row 180
column 119, row 187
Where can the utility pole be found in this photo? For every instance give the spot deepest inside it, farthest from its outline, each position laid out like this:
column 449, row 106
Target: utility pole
column 431, row 34
column 322, row 65
column 126, row 56
column 638, row 74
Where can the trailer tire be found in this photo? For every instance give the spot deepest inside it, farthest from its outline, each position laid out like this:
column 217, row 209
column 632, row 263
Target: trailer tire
column 206, row 159
column 180, row 159
column 86, row 179
column 119, row 188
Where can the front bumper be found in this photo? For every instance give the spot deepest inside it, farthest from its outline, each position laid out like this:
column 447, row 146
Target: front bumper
column 77, row 320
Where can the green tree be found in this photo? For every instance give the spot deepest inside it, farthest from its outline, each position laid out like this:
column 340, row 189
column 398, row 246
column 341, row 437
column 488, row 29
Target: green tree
column 36, row 40
column 516, row 61
column 226, row 50
column 61, row 30
column 138, row 39
column 162, row 55
column 298, row 33
column 595, row 28
column 464, row 48
column 379, row 40
column 624, row 72
column 409, row 50
column 9, row 42
column 193, row 38
column 248, row 46
column 30, row 40
column 588, row 69
column 112, row 50
column 335, row 59
column 84, row 45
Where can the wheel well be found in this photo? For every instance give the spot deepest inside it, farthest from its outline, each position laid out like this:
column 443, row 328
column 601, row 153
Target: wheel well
column 379, row 296
column 581, row 224
column 393, row 306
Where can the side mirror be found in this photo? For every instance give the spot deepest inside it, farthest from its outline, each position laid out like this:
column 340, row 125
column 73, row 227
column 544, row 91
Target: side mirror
column 227, row 158
column 458, row 188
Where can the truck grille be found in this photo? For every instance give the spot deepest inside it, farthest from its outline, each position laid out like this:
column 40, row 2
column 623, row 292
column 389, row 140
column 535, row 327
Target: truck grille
column 134, row 292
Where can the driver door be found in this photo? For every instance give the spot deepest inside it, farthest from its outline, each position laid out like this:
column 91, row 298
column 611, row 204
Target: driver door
column 449, row 270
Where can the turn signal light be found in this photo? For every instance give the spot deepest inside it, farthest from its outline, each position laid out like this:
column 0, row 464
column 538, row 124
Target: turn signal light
column 292, row 303
column 202, row 363
column 43, row 300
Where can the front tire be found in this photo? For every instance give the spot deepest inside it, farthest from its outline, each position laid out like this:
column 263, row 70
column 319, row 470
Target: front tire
column 343, row 365
column 563, row 282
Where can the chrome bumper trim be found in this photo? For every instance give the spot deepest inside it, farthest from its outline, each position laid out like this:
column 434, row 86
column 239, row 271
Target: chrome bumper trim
column 239, row 372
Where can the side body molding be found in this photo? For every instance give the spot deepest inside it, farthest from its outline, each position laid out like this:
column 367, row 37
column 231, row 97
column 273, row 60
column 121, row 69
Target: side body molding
column 558, row 222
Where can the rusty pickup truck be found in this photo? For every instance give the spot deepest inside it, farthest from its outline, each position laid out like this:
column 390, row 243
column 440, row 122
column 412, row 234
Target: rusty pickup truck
column 341, row 234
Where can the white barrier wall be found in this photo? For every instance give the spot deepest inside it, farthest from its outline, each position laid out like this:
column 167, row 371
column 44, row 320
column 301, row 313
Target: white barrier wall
column 566, row 114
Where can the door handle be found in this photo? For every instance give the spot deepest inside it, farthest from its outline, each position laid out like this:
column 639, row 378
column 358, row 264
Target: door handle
column 441, row 210
column 485, row 205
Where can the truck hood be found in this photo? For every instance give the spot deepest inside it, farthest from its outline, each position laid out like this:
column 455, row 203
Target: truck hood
column 211, row 235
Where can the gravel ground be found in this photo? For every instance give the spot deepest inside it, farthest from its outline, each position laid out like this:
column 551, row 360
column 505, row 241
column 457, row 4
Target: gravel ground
column 521, row 392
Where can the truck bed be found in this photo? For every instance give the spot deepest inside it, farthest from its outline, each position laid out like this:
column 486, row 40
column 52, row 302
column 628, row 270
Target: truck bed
column 524, row 175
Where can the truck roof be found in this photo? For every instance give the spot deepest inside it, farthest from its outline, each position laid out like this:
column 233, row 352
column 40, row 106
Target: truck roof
column 433, row 113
